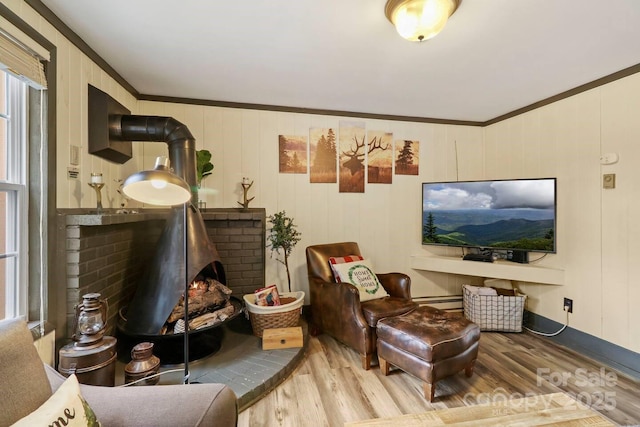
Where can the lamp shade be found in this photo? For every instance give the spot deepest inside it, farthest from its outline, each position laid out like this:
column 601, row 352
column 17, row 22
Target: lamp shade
column 419, row 20
column 159, row 186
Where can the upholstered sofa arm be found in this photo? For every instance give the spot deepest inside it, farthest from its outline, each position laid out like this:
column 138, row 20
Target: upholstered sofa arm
column 396, row 284
column 26, row 383
column 159, row 405
column 23, row 381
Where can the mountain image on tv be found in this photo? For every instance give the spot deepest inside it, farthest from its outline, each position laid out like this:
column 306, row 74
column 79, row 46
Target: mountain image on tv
column 508, row 214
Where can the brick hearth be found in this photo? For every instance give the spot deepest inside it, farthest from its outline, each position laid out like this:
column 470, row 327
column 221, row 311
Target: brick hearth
column 107, row 252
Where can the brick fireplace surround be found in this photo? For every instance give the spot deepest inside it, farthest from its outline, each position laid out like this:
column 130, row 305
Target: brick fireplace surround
column 108, row 252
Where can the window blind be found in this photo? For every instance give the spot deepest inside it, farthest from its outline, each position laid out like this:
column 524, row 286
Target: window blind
column 20, row 61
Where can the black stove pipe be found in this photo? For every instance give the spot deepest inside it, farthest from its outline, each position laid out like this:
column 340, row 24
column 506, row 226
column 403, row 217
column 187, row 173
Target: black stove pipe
column 182, row 144
column 163, row 284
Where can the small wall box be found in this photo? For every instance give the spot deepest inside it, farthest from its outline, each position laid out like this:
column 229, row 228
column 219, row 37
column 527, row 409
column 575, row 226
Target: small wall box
column 277, row 338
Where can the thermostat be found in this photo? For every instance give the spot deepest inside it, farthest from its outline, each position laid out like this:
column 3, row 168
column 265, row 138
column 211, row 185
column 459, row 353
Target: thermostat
column 609, row 158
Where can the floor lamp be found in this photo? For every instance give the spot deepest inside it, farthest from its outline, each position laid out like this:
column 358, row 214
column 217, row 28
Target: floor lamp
column 161, row 187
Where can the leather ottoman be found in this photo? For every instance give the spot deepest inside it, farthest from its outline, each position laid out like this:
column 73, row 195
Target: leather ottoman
column 428, row 343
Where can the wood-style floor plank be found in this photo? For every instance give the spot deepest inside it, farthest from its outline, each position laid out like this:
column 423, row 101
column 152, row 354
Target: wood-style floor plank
column 330, row 388
column 557, row 409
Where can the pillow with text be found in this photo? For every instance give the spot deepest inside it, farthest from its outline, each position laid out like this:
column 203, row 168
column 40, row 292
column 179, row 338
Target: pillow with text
column 360, row 274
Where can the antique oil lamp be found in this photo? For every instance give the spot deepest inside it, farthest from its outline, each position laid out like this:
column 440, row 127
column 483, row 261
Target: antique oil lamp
column 91, row 355
column 90, row 320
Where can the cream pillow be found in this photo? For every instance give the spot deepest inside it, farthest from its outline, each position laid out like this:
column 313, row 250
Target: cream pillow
column 65, row 408
column 360, row 274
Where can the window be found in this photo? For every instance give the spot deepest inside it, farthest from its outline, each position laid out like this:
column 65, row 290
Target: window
column 13, row 197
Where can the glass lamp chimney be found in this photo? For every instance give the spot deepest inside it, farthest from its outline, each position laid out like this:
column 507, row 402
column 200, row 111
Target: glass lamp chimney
column 90, row 315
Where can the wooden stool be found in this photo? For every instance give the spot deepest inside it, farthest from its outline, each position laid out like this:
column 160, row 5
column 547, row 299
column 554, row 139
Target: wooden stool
column 428, row 343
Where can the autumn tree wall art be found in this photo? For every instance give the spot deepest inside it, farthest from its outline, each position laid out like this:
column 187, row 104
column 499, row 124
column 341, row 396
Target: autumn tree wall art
column 348, row 155
column 292, row 153
column 407, row 157
column 322, row 155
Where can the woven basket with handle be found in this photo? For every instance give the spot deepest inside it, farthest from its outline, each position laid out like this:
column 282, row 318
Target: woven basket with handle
column 260, row 322
column 283, row 317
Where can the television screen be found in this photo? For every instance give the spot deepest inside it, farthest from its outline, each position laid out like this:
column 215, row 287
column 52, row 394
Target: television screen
column 518, row 214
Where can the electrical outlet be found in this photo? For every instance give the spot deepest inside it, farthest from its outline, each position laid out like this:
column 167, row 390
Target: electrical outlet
column 568, row 305
column 609, row 180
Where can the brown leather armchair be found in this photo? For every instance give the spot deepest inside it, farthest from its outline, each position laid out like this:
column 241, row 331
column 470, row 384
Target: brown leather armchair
column 336, row 308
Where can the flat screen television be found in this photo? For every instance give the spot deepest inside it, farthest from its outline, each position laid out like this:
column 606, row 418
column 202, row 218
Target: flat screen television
column 514, row 214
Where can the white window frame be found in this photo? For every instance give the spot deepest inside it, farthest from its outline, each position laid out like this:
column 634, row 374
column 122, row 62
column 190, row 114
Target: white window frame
column 16, row 188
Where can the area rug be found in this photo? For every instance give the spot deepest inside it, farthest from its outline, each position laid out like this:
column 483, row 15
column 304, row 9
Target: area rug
column 557, row 409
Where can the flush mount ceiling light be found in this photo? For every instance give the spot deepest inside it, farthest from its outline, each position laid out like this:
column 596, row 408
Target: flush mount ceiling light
column 418, row 20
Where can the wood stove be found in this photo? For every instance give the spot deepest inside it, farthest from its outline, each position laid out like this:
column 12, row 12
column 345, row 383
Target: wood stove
column 176, row 262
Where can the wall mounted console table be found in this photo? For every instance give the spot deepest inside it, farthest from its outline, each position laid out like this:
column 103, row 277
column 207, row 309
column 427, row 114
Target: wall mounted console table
column 499, row 269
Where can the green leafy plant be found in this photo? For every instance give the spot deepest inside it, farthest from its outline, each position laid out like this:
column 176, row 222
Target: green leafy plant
column 283, row 236
column 204, row 167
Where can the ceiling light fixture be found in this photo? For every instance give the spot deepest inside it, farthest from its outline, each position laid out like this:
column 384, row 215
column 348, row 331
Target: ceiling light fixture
column 418, row 20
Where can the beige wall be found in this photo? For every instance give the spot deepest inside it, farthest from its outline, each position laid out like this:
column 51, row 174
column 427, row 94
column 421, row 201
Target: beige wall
column 75, row 71
column 596, row 228
column 560, row 140
column 565, row 140
column 385, row 220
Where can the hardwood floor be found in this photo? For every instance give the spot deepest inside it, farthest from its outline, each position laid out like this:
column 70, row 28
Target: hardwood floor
column 330, row 388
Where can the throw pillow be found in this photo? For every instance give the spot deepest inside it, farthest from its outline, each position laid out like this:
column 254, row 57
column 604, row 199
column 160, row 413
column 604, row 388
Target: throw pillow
column 479, row 290
column 360, row 274
column 66, row 408
column 341, row 260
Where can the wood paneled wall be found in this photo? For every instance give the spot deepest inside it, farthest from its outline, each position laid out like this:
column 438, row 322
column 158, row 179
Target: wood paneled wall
column 597, row 228
column 385, row 220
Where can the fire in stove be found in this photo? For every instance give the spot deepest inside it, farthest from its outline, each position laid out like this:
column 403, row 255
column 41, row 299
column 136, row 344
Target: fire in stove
column 209, row 304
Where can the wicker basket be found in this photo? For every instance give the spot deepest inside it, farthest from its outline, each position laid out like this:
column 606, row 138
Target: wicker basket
column 494, row 312
column 281, row 316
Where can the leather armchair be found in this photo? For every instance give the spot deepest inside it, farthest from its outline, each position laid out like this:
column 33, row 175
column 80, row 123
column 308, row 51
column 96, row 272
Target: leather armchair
column 336, row 308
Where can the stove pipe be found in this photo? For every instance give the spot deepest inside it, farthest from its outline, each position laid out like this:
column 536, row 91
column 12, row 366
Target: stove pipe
column 163, row 284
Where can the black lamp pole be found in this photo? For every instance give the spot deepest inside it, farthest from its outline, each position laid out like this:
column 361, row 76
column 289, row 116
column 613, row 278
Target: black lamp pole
column 142, row 186
column 186, row 295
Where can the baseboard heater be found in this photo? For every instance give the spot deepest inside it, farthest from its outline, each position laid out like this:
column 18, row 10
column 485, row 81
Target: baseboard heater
column 444, row 302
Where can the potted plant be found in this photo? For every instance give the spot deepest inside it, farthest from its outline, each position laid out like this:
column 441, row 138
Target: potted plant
column 283, row 236
column 204, row 167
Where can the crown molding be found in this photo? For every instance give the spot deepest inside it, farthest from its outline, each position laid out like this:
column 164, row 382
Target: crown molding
column 47, row 14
